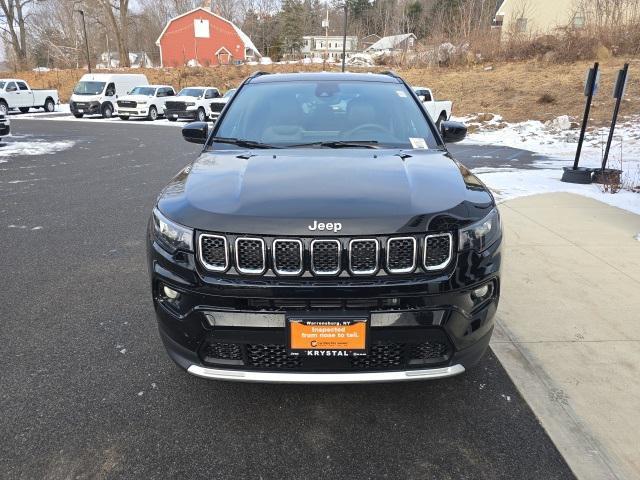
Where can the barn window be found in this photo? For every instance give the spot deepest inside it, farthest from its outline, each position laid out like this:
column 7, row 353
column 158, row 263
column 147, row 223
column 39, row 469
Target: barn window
column 201, row 28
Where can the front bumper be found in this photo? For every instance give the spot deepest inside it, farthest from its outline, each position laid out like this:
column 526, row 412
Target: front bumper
column 419, row 327
column 182, row 114
column 133, row 112
column 85, row 108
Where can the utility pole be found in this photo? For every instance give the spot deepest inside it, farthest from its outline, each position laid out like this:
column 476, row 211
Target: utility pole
column 86, row 40
column 344, row 36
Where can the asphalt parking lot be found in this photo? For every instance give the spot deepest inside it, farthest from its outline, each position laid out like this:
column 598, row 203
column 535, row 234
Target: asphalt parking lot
column 87, row 391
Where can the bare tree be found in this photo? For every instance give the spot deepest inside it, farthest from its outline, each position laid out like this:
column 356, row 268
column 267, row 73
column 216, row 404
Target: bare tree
column 14, row 13
column 117, row 14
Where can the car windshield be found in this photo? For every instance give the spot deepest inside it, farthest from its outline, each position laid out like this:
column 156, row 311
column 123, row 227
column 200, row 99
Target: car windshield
column 191, row 92
column 230, row 93
column 332, row 114
column 143, row 91
column 89, row 88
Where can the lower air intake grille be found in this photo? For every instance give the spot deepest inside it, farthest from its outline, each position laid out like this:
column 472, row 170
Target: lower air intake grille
column 221, row 351
column 213, row 252
column 437, row 252
column 271, row 357
column 384, row 355
column 428, row 352
column 363, row 256
column 287, row 257
column 250, row 255
column 401, row 254
column 325, row 257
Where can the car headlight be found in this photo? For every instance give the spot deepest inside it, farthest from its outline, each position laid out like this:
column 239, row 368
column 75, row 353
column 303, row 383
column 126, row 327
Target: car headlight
column 190, row 104
column 143, row 102
column 482, row 234
column 170, row 235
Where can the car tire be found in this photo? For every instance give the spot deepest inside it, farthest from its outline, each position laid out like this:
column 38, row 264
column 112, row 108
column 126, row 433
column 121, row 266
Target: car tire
column 24, row 109
column 124, row 117
column 153, row 113
column 201, row 115
column 49, row 105
column 107, row 111
column 4, row 108
column 78, row 115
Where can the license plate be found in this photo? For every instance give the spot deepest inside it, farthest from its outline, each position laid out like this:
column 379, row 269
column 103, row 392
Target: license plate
column 80, row 110
column 327, row 337
column 174, row 116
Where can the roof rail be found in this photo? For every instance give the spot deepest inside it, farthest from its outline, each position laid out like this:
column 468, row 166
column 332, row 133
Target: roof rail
column 390, row 73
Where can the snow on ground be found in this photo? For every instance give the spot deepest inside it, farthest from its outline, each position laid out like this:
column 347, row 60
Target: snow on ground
column 557, row 147
column 28, row 145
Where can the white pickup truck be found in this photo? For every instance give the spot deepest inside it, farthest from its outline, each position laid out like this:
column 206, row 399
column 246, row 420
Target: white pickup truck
column 16, row 93
column 439, row 111
column 193, row 103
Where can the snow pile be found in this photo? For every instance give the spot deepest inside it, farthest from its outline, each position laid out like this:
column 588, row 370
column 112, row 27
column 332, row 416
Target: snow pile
column 558, row 144
column 37, row 147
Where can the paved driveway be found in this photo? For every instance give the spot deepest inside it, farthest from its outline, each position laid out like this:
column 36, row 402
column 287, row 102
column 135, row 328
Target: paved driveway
column 86, row 390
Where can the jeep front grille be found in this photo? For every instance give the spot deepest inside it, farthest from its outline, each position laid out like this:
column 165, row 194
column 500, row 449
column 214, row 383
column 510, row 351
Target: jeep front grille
column 250, row 255
column 320, row 257
column 401, row 254
column 325, row 257
column 287, row 256
column 214, row 254
column 437, row 251
column 363, row 256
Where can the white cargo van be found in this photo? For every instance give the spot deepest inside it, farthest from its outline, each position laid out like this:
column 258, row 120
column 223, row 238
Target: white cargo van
column 97, row 93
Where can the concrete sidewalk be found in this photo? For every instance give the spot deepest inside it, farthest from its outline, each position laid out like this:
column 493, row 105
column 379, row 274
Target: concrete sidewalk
column 568, row 328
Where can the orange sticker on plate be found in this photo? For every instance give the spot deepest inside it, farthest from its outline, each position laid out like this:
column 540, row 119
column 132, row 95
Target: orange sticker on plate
column 328, row 335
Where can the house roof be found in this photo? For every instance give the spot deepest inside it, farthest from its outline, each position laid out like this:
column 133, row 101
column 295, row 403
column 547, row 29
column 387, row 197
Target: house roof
column 243, row 36
column 391, row 42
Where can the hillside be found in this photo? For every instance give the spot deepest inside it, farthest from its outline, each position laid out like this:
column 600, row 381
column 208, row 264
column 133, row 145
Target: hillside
column 528, row 90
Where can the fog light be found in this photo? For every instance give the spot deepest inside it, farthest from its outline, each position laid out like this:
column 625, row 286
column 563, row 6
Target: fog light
column 170, row 293
column 482, row 292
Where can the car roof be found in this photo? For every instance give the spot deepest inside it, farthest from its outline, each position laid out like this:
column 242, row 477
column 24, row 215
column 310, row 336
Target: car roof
column 197, row 86
column 325, row 76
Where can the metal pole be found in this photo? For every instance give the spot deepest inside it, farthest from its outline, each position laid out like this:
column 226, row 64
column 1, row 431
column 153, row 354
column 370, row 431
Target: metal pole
column 344, row 36
column 619, row 92
column 593, row 75
column 86, row 40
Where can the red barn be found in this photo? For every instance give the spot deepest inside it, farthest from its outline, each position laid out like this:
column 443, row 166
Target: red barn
column 200, row 37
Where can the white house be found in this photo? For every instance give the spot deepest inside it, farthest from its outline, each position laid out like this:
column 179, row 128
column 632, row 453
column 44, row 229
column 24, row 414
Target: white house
column 321, row 46
column 393, row 43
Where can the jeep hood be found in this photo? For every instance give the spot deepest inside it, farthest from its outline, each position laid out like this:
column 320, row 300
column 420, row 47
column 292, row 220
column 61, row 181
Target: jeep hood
column 281, row 192
column 136, row 98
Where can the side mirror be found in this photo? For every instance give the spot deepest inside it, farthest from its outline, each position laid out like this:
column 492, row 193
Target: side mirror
column 452, row 132
column 196, row 132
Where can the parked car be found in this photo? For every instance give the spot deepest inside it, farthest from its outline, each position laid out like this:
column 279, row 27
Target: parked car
column 5, row 125
column 325, row 234
column 16, row 94
column 439, row 110
column 192, row 103
column 145, row 101
column 217, row 104
column 96, row 93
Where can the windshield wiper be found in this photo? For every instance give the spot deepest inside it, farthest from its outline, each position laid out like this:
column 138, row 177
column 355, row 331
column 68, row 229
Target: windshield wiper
column 339, row 144
column 242, row 143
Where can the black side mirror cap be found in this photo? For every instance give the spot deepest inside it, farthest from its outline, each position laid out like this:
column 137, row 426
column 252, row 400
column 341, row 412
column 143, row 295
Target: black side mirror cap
column 196, row 132
column 452, row 132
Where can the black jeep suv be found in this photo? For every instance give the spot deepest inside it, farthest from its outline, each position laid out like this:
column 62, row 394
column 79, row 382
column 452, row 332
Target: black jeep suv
column 325, row 234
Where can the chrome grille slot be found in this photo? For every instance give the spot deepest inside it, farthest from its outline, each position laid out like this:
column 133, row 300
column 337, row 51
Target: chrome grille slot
column 401, row 254
column 363, row 256
column 438, row 250
column 325, row 257
column 214, row 254
column 287, row 256
column 250, row 255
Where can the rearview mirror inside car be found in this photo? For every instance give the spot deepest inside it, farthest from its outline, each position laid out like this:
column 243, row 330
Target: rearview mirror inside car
column 196, row 132
column 452, row 132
